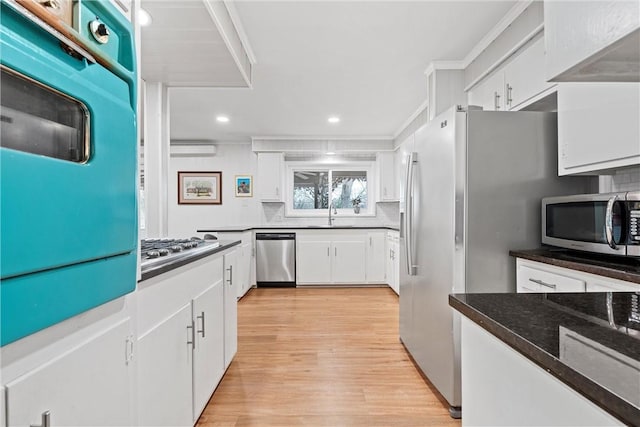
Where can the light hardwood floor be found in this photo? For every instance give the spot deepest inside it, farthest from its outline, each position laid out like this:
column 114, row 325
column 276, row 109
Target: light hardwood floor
column 322, row 357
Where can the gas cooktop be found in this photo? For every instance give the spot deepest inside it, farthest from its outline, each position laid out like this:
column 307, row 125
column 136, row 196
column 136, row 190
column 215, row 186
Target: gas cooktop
column 161, row 251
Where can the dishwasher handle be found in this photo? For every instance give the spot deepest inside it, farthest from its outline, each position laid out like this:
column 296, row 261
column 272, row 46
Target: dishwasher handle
column 275, row 236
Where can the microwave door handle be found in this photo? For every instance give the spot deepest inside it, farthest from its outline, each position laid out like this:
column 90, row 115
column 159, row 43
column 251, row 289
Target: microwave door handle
column 608, row 222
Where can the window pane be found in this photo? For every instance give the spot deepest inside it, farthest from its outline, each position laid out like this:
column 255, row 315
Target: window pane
column 310, row 190
column 347, row 187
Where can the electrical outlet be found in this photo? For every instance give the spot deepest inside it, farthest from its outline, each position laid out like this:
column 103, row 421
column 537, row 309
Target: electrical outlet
column 277, row 218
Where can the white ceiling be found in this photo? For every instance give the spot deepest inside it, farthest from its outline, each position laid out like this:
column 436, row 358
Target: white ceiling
column 361, row 60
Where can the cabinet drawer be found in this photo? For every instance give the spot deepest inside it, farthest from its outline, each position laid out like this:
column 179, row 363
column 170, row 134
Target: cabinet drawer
column 534, row 280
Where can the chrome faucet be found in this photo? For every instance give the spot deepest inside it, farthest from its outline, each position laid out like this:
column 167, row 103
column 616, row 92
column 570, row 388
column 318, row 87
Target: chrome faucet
column 335, row 212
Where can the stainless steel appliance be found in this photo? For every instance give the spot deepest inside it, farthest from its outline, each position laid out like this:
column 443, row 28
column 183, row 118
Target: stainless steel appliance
column 602, row 223
column 473, row 186
column 155, row 253
column 68, row 161
column 276, row 259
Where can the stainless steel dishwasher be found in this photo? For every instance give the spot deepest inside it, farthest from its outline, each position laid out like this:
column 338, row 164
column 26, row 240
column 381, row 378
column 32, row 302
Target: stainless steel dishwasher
column 276, row 259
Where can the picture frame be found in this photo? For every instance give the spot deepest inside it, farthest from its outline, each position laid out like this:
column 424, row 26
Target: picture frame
column 199, row 188
column 244, row 186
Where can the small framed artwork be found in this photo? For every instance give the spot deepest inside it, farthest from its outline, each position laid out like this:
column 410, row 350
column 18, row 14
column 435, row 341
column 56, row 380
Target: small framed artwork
column 244, row 186
column 199, row 188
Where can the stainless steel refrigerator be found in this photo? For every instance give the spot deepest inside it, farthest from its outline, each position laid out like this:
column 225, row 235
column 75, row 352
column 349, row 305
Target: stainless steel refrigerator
column 473, row 187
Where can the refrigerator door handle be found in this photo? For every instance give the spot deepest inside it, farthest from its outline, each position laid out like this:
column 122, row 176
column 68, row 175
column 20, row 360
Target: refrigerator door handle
column 408, row 216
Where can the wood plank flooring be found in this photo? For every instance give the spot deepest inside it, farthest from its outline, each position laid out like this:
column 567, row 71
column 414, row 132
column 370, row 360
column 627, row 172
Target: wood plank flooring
column 322, row 357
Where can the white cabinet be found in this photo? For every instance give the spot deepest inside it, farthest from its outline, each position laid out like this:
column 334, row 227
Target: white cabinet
column 353, row 257
column 230, row 307
column 489, row 93
column 376, row 259
column 349, row 261
column 313, row 261
column 524, row 75
column 245, row 259
column 270, row 180
column 393, row 261
column 183, row 336
column 87, row 385
column 540, row 277
column 165, row 371
column 517, row 82
column 387, row 185
column 592, row 40
column 208, row 348
column 598, row 127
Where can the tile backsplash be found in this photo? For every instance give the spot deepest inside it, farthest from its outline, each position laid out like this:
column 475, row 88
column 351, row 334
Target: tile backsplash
column 387, row 214
column 623, row 180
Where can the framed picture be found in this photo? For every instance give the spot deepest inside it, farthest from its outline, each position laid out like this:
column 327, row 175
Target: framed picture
column 199, row 188
column 244, row 186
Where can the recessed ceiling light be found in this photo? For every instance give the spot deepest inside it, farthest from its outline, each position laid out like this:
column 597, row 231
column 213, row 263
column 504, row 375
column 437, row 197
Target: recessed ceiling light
column 222, row 119
column 331, row 153
column 334, row 119
column 144, row 19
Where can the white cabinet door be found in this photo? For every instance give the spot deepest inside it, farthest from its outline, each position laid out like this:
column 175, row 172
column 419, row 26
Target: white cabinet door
column 387, row 185
column 536, row 277
column 592, row 40
column 395, row 259
column 489, row 93
column 165, row 370
column 313, row 261
column 524, row 75
column 208, row 354
column 349, row 260
column 598, row 126
column 230, row 307
column 604, row 284
column 375, row 271
column 87, row 386
column 269, row 183
column 244, row 269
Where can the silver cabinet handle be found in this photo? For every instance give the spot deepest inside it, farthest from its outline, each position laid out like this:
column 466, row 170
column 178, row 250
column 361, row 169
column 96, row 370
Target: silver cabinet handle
column 230, row 280
column 201, row 317
column 370, row 244
column 192, row 332
column 608, row 221
column 540, row 282
column 46, row 420
column 496, row 100
column 328, row 251
column 335, row 251
column 509, row 91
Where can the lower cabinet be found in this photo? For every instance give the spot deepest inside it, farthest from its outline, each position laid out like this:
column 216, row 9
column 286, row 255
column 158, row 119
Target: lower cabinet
column 165, row 369
column 187, row 329
column 208, row 353
column 392, row 260
column 349, row 261
column 535, row 276
column 230, row 307
column 87, row 384
column 313, row 261
column 376, row 271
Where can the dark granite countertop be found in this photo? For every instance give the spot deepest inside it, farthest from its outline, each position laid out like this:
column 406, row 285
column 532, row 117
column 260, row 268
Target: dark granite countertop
column 603, row 265
column 240, row 228
column 172, row 264
column 540, row 327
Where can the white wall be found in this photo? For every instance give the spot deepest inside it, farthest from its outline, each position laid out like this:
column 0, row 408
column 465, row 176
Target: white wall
column 624, row 180
column 231, row 159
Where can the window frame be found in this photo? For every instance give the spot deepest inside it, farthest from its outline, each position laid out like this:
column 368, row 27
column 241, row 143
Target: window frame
column 302, row 166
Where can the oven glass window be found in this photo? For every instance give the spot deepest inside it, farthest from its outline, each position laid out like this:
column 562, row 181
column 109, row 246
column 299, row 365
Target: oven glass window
column 583, row 221
column 39, row 120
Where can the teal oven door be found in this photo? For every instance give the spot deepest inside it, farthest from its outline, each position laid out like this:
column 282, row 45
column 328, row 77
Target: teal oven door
column 67, row 176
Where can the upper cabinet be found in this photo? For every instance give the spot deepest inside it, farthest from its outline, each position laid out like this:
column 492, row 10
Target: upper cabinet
column 270, row 173
column 516, row 83
column 598, row 127
column 592, row 41
column 387, row 176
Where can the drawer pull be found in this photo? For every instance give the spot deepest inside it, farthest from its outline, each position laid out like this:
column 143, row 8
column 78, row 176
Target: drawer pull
column 541, row 283
column 46, row 420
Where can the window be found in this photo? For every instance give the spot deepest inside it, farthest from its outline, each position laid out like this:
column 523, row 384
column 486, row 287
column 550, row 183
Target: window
column 312, row 189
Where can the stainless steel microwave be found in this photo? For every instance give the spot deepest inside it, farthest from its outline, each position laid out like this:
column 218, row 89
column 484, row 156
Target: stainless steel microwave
column 602, row 223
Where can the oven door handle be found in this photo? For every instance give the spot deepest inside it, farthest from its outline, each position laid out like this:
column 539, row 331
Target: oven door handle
column 608, row 222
